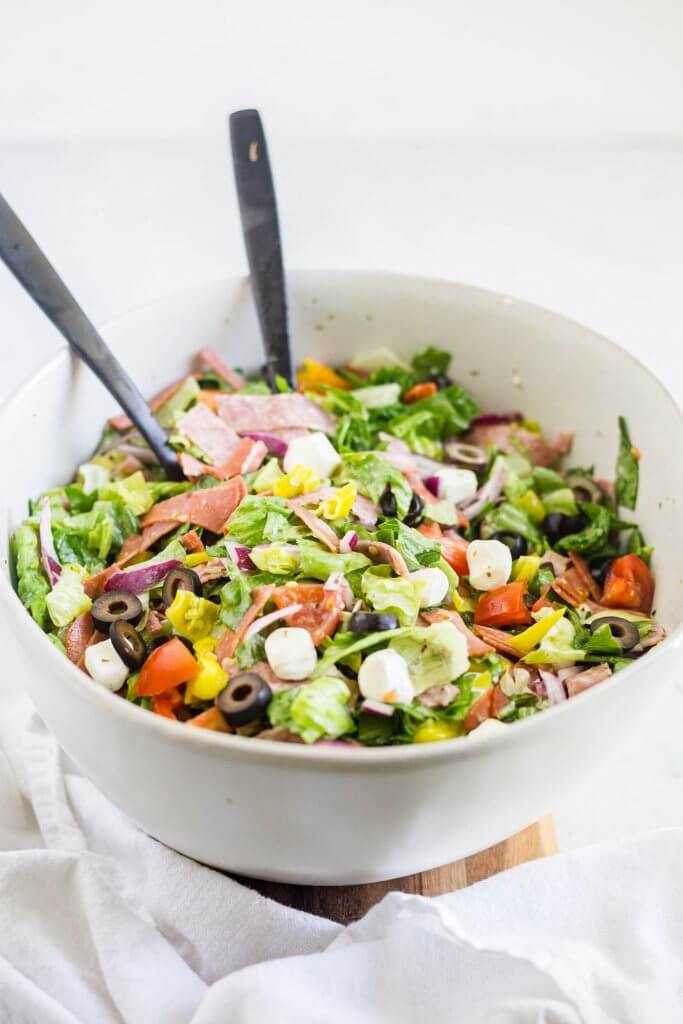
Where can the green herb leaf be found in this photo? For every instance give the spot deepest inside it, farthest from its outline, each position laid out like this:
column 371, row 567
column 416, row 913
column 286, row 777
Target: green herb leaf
column 626, row 483
column 594, row 536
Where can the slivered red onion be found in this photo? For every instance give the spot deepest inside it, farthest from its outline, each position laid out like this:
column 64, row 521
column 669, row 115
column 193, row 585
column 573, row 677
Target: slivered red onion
column 490, row 419
column 240, row 556
column 554, row 687
column 377, row 707
column 267, row 620
column 141, row 577
column 48, row 555
column 275, row 445
column 348, row 542
column 434, row 484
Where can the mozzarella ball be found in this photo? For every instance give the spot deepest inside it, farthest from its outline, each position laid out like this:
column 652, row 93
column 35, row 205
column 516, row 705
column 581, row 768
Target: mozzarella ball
column 457, row 485
column 384, row 676
column 434, row 586
column 291, row 653
column 489, row 563
column 106, row 667
column 314, row 451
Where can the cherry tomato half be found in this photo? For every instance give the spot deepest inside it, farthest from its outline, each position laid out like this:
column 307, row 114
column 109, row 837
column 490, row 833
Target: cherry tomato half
column 503, row 606
column 629, row 584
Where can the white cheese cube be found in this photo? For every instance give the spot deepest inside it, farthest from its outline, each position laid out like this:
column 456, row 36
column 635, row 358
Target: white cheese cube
column 314, row 451
column 489, row 563
column 384, row 676
column 291, row 653
column 105, row 666
column 434, row 586
column 457, row 485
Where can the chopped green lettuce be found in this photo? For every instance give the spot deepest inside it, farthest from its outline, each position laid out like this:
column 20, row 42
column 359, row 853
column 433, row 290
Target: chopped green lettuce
column 417, row 550
column 133, row 491
column 373, row 475
column 377, row 397
column 32, row 586
column 267, row 476
column 318, row 563
column 68, row 599
column 545, row 480
column 626, row 482
column 442, row 512
column 603, row 642
column 314, row 710
column 450, row 411
column 259, row 520
column 91, row 477
column 435, row 654
column 507, row 518
column 377, row 359
column 558, row 645
column 184, row 396
column 235, row 599
column 279, row 559
column 562, row 500
column 399, row 596
column 594, row 536
column 347, row 645
column 88, row 538
column 431, row 362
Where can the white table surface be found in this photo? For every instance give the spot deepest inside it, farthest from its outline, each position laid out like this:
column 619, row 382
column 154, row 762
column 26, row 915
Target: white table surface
column 592, row 232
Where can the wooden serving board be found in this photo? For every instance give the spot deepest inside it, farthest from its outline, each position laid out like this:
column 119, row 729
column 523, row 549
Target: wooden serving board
column 346, row 903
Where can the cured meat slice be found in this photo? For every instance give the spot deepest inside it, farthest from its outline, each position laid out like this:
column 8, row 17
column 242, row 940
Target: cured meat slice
column 210, row 358
column 245, row 413
column 210, row 508
column 209, row 432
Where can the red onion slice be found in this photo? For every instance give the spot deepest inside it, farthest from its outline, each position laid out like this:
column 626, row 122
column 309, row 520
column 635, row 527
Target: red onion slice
column 275, row 445
column 490, row 419
column 142, row 577
column 48, row 555
column 490, row 491
column 554, row 687
column 268, row 620
column 348, row 542
column 434, row 485
column 377, row 707
column 240, row 556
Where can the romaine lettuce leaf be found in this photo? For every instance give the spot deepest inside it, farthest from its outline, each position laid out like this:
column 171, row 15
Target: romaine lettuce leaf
column 184, row 396
column 436, row 654
column 450, row 412
column 399, row 595
column 626, row 482
column 594, row 536
column 318, row 563
column 67, row 599
column 373, row 475
column 132, row 490
column 508, row 518
column 259, row 520
column 416, row 549
column 32, row 586
column 314, row 710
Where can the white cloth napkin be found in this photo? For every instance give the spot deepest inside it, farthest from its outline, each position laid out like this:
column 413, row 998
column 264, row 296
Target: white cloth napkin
column 100, row 924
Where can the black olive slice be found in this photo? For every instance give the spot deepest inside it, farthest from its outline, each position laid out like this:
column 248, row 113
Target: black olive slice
column 372, row 622
column 517, row 544
column 128, row 643
column 585, row 489
column 624, row 632
column 180, row 579
column 387, row 503
column 245, row 698
column 599, row 568
column 469, row 455
column 415, row 513
column 114, row 605
column 557, row 525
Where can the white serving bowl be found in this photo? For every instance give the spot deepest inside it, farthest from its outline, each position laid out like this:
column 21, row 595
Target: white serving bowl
column 331, row 815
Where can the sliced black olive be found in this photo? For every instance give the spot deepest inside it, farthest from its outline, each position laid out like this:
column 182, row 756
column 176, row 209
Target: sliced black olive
column 128, row 643
column 517, row 544
column 585, row 489
column 115, row 605
column 599, row 568
column 180, row 579
column 372, row 622
column 469, row 455
column 415, row 513
column 245, row 698
column 441, row 380
column 387, row 504
column 624, row 632
column 557, row 525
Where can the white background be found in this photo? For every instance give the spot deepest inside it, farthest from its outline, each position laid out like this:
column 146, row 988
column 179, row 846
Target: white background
column 533, row 147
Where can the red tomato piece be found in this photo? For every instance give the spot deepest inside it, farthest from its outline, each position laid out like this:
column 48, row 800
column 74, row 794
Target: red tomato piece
column 480, row 710
column 629, row 584
column 504, row 606
column 454, row 551
column 165, row 703
column 321, row 610
column 166, row 667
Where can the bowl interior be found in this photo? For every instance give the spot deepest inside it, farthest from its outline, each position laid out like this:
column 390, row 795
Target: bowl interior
column 509, row 354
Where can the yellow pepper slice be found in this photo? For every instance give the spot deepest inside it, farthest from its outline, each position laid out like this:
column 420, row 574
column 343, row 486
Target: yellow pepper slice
column 208, row 682
column 532, row 505
column 314, row 375
column 197, row 558
column 526, row 566
column 340, row 504
column 301, row 480
column 463, row 604
column 429, row 732
column 192, row 617
column 526, row 641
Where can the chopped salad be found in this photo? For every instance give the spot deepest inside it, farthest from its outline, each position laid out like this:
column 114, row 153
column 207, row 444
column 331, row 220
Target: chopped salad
column 368, row 560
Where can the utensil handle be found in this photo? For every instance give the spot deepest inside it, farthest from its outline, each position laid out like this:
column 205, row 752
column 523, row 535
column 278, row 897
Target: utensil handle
column 261, row 230
column 33, row 270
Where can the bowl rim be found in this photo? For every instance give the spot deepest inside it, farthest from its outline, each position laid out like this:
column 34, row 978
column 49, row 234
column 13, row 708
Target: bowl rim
column 346, row 756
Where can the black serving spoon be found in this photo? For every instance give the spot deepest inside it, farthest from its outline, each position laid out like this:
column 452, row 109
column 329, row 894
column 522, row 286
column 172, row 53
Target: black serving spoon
column 32, row 269
column 261, row 231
